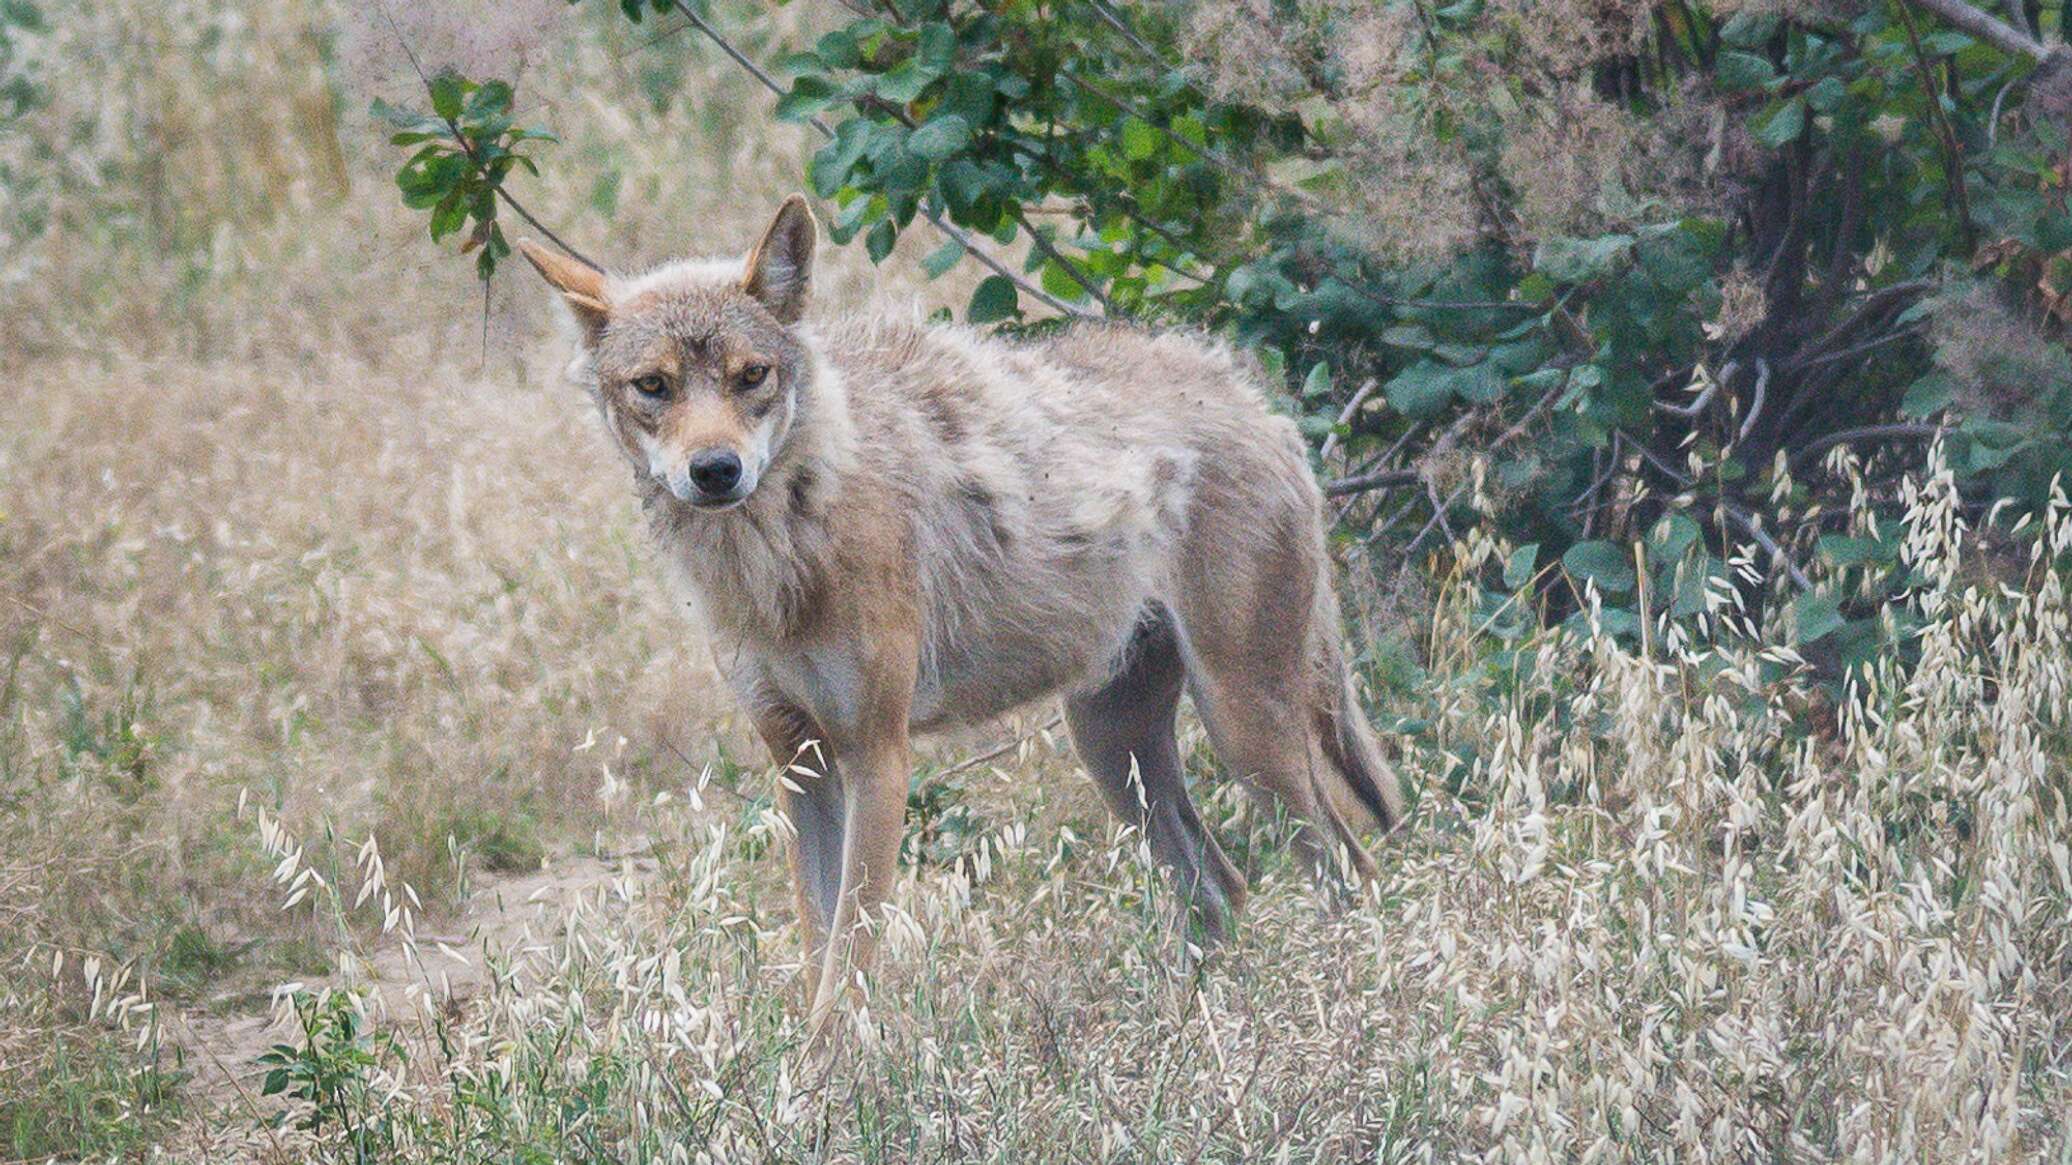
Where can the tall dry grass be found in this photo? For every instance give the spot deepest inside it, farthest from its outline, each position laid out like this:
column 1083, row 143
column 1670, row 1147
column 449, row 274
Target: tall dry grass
column 1653, row 918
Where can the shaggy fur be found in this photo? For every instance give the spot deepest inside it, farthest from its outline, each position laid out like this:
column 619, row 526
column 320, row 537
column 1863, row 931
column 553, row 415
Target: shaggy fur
column 935, row 527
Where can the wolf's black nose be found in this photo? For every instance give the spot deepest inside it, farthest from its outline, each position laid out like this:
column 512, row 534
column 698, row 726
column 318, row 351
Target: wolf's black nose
column 715, row 472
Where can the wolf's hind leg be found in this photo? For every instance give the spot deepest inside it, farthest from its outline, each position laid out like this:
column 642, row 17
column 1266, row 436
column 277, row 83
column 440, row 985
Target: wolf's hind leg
column 1250, row 615
column 1130, row 719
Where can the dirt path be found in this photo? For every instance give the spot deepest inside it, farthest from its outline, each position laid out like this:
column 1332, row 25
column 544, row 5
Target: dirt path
column 508, row 915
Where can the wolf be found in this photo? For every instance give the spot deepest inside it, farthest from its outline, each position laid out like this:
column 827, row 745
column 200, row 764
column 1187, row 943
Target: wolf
column 891, row 528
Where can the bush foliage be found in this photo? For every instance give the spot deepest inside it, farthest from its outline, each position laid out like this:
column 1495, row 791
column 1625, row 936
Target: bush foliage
column 1586, row 274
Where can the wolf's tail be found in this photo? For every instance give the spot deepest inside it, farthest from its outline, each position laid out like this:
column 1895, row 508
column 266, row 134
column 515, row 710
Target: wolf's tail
column 1370, row 788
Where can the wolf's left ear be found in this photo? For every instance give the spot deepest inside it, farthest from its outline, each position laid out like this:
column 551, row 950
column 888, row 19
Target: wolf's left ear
column 579, row 283
column 780, row 268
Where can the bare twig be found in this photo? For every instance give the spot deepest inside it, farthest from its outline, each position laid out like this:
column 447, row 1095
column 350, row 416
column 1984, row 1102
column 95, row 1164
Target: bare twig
column 1755, row 408
column 1741, row 518
column 1868, row 433
column 1129, row 34
column 2018, row 16
column 1986, row 27
column 1505, row 438
column 1747, row 522
column 1001, row 750
column 1345, row 416
column 1695, row 407
column 1381, row 479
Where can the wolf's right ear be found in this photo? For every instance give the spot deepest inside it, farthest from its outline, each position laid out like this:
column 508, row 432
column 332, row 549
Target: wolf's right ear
column 579, row 283
column 780, row 269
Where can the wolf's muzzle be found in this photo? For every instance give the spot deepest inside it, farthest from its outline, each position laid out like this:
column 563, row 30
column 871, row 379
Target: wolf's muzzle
column 713, row 478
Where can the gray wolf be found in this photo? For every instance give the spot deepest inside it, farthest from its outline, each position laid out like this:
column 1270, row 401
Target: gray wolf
column 891, row 528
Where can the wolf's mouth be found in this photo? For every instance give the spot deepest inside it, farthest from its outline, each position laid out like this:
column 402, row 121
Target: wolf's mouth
column 715, row 505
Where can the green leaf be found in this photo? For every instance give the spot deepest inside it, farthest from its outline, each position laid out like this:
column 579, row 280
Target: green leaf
column 1740, row 71
column 969, row 95
column 1318, row 382
column 1690, row 584
column 492, row 99
column 1672, row 537
column 878, row 243
column 1827, row 95
column 1518, row 569
column 447, row 90
column 1929, row 395
column 1601, row 563
column 1566, row 260
column 1946, row 42
column 1059, row 282
column 942, row 258
column 906, row 82
column 994, row 299
column 839, row 49
column 938, row 48
column 1415, row 337
column 1479, row 383
column 940, row 138
column 1817, row 616
column 407, row 119
column 808, row 95
column 1780, row 125
column 1140, row 139
column 1421, row 390
column 830, row 167
column 963, row 184
column 1749, row 28
column 1843, row 550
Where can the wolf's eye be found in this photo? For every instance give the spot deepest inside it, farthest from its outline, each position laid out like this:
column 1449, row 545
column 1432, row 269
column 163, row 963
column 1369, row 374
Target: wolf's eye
column 651, row 385
column 753, row 375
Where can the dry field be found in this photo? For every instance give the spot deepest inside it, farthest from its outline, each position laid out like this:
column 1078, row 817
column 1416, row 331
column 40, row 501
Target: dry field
column 342, row 708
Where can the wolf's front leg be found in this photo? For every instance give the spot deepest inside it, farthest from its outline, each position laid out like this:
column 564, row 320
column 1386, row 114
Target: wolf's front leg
column 874, row 788
column 864, row 702
column 809, row 791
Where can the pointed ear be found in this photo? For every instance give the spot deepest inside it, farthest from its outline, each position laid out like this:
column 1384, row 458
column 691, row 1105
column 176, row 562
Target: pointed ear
column 780, row 268
column 579, row 283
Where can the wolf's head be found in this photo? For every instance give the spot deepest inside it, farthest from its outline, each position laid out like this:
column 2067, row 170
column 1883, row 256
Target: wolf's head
column 696, row 364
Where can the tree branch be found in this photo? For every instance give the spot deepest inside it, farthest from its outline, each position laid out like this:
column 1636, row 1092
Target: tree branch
column 1345, row 416
column 1986, row 27
column 1893, row 432
column 1380, row 479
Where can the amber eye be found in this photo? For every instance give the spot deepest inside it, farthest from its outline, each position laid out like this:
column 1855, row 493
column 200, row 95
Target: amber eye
column 754, row 374
column 651, row 385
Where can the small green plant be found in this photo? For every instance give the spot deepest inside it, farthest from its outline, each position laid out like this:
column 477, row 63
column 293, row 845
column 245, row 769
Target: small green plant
column 116, row 737
column 467, row 147
column 329, row 1073
column 193, row 959
column 941, row 826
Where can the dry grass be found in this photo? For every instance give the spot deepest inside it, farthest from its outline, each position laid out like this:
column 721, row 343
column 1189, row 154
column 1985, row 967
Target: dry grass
column 282, row 534
column 1641, row 913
